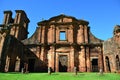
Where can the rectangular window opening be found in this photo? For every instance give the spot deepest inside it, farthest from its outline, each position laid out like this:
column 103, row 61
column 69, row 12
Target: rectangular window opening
column 62, row 35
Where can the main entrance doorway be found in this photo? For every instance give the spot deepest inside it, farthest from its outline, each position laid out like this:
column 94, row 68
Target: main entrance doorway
column 95, row 65
column 63, row 63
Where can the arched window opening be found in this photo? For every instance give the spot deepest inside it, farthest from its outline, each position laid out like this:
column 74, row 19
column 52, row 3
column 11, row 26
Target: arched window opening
column 107, row 64
column 117, row 62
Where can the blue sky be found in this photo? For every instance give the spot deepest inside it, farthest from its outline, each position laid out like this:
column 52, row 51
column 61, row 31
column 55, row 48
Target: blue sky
column 102, row 15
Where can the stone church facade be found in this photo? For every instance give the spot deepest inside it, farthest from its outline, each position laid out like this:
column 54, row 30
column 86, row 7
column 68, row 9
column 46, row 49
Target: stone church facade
column 60, row 43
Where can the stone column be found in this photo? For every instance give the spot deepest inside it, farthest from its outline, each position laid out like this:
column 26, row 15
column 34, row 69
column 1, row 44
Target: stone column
column 7, row 64
column 53, row 34
column 50, row 35
column 88, row 59
column 72, row 62
column 82, row 63
column 17, row 29
column 42, row 53
column 112, row 63
column 43, row 35
column 7, row 17
column 105, row 67
column 57, row 63
column 17, row 17
column 86, row 33
column 38, row 51
column 70, row 34
column 51, row 58
column 100, row 58
column 39, row 34
column 57, row 35
column 81, row 34
column 17, row 64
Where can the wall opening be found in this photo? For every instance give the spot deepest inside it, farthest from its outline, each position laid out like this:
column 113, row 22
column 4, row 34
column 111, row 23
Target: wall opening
column 63, row 63
column 107, row 64
column 117, row 62
column 95, row 65
column 62, row 35
column 31, row 63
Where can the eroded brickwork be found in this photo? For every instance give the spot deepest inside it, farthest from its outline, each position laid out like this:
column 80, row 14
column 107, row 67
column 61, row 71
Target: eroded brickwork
column 78, row 49
column 111, row 51
column 47, row 49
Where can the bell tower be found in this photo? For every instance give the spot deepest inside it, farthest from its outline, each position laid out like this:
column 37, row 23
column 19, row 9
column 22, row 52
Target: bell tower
column 7, row 17
column 18, row 26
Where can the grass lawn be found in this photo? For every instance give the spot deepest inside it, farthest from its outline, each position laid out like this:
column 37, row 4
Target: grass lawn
column 59, row 76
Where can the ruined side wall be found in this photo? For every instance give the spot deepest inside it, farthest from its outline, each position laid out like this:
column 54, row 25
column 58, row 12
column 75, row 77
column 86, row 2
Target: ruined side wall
column 110, row 50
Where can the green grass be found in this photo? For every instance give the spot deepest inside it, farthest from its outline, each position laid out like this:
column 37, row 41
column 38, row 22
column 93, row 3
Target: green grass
column 59, row 76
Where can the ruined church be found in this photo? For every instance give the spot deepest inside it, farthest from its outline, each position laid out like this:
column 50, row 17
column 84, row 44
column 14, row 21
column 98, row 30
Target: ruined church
column 59, row 43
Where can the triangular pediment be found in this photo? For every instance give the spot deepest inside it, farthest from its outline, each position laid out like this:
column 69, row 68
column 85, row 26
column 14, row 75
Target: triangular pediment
column 62, row 18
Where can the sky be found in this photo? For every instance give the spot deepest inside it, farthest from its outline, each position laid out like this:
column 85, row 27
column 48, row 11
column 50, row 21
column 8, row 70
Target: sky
column 102, row 15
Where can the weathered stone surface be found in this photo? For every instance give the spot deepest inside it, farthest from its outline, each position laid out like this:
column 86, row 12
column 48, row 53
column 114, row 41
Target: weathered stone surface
column 111, row 52
column 45, row 49
column 47, row 35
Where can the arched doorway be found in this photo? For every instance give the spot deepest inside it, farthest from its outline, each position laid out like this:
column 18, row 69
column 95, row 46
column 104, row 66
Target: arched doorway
column 107, row 64
column 117, row 62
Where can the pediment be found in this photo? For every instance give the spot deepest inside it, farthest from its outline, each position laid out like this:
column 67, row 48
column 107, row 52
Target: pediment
column 61, row 18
